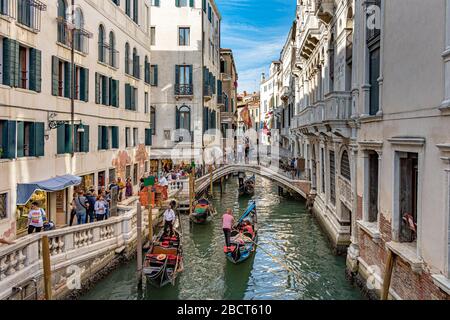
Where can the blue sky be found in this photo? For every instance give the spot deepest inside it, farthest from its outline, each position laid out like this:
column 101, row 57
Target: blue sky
column 256, row 31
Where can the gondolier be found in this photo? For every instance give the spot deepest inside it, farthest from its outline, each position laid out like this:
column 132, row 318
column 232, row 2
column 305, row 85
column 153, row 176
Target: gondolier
column 169, row 219
column 227, row 225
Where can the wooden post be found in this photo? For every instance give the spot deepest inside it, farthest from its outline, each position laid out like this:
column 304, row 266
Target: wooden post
column 191, row 192
column 221, row 185
column 211, row 181
column 388, row 274
column 150, row 215
column 47, row 268
column 139, row 243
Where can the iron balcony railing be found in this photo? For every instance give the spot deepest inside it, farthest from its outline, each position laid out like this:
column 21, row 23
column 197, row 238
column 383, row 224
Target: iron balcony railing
column 184, row 89
column 81, row 36
column 29, row 13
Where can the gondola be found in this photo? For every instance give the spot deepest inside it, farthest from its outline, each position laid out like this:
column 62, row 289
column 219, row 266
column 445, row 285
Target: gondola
column 203, row 211
column 248, row 187
column 164, row 260
column 244, row 236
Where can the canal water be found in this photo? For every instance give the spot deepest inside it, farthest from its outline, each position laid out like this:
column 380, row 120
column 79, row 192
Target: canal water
column 291, row 235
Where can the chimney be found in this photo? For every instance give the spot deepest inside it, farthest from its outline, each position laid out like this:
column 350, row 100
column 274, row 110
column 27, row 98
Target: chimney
column 263, row 77
column 245, row 93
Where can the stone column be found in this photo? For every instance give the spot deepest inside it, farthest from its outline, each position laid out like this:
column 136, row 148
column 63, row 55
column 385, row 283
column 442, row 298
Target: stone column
column 446, row 56
column 380, row 79
column 353, row 252
column 365, row 62
column 447, row 208
column 380, row 171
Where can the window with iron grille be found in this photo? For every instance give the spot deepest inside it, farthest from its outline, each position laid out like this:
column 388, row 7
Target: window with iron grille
column 3, row 206
column 332, row 178
column 29, row 13
column 345, row 166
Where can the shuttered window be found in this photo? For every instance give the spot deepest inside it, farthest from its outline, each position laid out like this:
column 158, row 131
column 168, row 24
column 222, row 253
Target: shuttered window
column 64, row 139
column 154, row 75
column 106, row 90
column 62, row 80
column 130, row 97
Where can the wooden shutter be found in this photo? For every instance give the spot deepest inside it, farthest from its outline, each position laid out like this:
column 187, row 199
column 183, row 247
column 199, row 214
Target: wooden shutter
column 67, row 80
column 117, row 91
column 84, row 84
column 177, row 118
column 191, row 3
column 55, row 76
column 68, row 142
column 20, row 138
column 190, row 74
column 39, row 139
column 105, row 138
column 11, row 140
column 35, row 69
column 97, row 88
column 177, row 3
column 61, row 137
column 155, row 76
column 86, row 139
column 10, row 62
column 100, row 138
column 115, row 137
column 127, row 96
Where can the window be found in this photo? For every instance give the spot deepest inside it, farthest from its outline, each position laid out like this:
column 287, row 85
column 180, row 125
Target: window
column 29, row 13
column 374, row 74
column 21, row 66
column 136, row 11
column 106, row 91
column 135, row 137
column 152, row 36
column 108, row 137
column 127, row 137
column 183, row 118
column 155, row 3
column 130, row 97
column 62, row 79
column 345, row 166
column 128, row 7
column 5, row 8
column 30, row 139
column 184, row 3
column 153, row 120
column 332, row 178
column 3, row 205
column 113, row 53
column 146, row 103
column 183, row 80
column 64, row 138
column 373, row 187
column 101, row 44
column 136, row 66
column 184, row 36
column 154, row 75
column 146, row 70
column 112, row 173
column 80, row 36
column 209, row 12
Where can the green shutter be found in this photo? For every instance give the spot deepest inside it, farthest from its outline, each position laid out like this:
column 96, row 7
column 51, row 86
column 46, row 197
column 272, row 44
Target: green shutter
column 117, row 92
column 97, row 88
column 177, row 75
column 177, row 118
column 20, row 138
column 204, row 6
column 190, row 75
column 32, row 140
column 55, row 76
column 177, row 3
column 10, row 152
column 67, row 79
column 84, row 84
column 105, row 138
column 35, row 69
column 104, row 84
column 191, row 3
column 61, row 137
column 112, row 90
column 85, row 147
column 100, row 138
column 155, row 76
column 68, row 142
column 15, row 54
column 127, row 96
column 115, row 137
column 39, row 139
column 10, row 62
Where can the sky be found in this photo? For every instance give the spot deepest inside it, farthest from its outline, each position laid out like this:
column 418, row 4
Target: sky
column 256, row 31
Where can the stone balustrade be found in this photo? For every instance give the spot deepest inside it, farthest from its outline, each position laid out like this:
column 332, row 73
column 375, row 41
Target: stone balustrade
column 79, row 246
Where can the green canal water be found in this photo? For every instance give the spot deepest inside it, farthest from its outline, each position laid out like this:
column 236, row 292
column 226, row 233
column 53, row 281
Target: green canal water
column 286, row 231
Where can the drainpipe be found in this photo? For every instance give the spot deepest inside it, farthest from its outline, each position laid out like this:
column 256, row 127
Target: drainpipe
column 72, row 93
column 202, row 88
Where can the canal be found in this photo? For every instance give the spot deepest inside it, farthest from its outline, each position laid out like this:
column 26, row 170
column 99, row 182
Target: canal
column 286, row 231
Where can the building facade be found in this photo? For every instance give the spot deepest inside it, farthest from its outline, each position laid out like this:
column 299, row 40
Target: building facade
column 185, row 76
column 105, row 135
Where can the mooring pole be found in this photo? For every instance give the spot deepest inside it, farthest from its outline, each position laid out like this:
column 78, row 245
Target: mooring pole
column 139, row 243
column 388, row 274
column 211, row 181
column 150, row 215
column 191, row 192
column 47, row 268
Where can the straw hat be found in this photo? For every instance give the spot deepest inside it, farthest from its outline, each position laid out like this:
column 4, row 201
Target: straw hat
column 161, row 257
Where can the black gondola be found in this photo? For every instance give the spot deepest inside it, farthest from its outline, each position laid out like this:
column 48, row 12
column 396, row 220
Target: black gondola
column 164, row 260
column 248, row 186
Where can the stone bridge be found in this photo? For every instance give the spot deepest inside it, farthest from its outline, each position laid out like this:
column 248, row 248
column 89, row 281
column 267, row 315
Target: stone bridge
column 301, row 187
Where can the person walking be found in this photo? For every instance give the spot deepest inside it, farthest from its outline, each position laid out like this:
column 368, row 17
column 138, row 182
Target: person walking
column 81, row 205
column 227, row 225
column 169, row 219
column 128, row 188
column 91, row 198
column 121, row 186
column 36, row 218
column 100, row 208
column 73, row 212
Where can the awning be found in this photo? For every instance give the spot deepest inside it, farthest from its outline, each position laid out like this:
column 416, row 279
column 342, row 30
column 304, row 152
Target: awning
column 26, row 190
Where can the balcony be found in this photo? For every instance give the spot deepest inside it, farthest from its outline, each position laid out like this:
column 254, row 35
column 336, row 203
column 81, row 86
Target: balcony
column 184, row 89
column 221, row 99
column 207, row 92
column 81, row 36
column 324, row 10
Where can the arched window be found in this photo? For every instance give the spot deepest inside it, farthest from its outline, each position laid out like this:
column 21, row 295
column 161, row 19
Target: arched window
column 135, row 63
column 345, row 166
column 112, row 49
column 79, row 26
column 184, row 118
column 127, row 58
column 62, row 31
column 101, row 43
